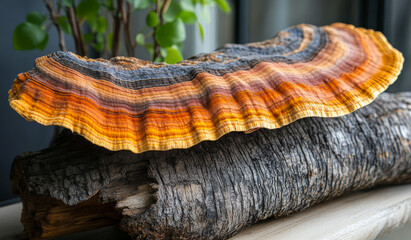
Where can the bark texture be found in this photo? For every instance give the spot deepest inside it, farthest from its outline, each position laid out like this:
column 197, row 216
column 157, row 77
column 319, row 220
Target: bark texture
column 215, row 189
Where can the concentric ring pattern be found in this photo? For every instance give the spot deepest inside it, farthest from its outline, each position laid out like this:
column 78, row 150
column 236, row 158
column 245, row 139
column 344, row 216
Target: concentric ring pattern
column 130, row 104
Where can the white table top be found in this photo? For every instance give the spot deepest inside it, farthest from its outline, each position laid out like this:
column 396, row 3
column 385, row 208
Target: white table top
column 361, row 215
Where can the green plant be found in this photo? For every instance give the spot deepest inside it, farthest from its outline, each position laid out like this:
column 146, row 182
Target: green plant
column 86, row 21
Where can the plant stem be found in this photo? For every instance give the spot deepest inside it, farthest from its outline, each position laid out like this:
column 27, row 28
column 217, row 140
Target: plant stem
column 127, row 32
column 161, row 9
column 53, row 15
column 156, row 48
column 117, row 28
column 164, row 8
column 78, row 37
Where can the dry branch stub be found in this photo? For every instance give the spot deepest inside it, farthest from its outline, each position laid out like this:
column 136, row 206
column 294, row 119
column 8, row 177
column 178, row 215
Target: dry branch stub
column 216, row 188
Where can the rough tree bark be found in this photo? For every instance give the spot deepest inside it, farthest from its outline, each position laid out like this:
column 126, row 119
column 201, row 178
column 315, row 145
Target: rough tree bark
column 214, row 189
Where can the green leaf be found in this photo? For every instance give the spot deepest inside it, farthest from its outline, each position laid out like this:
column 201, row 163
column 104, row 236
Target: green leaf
column 99, row 44
column 140, row 39
column 35, row 18
column 150, row 49
column 100, row 38
column 188, row 5
column 43, row 44
column 201, row 31
column 88, row 37
column 152, row 19
column 163, row 52
column 206, row 2
column 68, row 3
column 97, row 24
column 179, row 46
column 223, row 5
column 171, row 33
column 62, row 21
column 87, row 8
column 28, row 36
column 110, row 41
column 187, row 16
column 173, row 55
column 101, row 24
column 109, row 5
column 205, row 13
column 92, row 22
column 172, row 11
column 139, row 4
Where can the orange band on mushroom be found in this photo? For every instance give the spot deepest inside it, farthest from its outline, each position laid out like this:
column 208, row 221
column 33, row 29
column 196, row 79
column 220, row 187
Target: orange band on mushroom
column 130, row 104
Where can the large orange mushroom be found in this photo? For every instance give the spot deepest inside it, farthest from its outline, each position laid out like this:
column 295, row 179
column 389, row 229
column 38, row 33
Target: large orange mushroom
column 127, row 103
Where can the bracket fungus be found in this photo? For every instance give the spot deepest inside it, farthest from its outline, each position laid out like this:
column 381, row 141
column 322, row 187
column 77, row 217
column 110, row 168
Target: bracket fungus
column 130, row 104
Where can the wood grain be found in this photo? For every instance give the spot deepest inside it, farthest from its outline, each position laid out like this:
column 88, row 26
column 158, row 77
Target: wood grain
column 330, row 219
column 215, row 189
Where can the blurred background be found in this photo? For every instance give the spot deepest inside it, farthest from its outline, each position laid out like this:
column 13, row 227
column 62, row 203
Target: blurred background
column 249, row 21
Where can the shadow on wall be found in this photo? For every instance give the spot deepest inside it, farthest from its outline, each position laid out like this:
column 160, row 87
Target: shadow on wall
column 400, row 38
column 17, row 134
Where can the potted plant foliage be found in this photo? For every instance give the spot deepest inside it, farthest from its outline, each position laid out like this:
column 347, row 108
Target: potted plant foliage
column 101, row 25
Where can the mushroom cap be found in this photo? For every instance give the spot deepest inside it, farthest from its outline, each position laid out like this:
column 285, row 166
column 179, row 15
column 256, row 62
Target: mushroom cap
column 130, row 104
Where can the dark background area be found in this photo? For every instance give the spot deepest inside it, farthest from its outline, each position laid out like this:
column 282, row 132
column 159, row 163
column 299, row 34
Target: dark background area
column 17, row 134
column 250, row 21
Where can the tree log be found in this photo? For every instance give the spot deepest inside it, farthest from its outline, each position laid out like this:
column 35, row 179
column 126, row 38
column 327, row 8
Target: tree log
column 214, row 189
